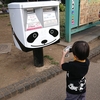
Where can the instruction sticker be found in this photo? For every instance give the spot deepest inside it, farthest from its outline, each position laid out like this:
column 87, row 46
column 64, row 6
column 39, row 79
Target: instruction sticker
column 32, row 22
column 49, row 18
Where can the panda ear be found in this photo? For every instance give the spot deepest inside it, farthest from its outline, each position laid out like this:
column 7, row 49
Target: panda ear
column 53, row 32
column 31, row 38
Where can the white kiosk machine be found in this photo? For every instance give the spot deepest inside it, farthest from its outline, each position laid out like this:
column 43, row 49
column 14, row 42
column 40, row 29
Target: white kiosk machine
column 34, row 24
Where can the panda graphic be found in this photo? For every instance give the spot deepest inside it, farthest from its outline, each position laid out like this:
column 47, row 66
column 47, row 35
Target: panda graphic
column 37, row 39
column 45, row 39
column 82, row 85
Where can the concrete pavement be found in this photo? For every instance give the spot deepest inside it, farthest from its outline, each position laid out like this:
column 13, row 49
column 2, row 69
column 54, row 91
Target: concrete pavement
column 54, row 89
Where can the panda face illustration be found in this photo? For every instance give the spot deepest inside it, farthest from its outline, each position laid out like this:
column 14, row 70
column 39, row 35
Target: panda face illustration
column 32, row 37
column 36, row 39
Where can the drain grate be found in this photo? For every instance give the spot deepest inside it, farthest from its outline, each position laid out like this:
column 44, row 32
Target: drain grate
column 5, row 47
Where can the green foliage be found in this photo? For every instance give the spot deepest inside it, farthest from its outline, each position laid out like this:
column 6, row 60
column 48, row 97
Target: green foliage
column 5, row 5
column 0, row 6
column 48, row 57
column 5, row 1
column 62, row 20
column 62, row 7
column 62, row 25
column 4, row 15
column 51, row 59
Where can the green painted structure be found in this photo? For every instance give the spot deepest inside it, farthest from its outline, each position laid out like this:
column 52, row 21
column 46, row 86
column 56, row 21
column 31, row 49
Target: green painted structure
column 72, row 15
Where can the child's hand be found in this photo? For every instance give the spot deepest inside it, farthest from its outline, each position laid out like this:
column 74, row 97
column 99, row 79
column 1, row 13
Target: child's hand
column 65, row 52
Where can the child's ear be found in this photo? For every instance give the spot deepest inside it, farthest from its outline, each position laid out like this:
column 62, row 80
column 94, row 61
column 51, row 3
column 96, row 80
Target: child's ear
column 75, row 57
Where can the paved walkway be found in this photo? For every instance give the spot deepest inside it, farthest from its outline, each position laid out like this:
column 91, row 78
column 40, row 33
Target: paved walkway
column 54, row 89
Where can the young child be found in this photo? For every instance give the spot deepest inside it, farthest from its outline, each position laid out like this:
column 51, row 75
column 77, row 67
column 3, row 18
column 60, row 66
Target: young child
column 76, row 70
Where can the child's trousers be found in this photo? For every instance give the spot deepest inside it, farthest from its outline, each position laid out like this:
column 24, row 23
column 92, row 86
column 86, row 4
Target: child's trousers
column 75, row 96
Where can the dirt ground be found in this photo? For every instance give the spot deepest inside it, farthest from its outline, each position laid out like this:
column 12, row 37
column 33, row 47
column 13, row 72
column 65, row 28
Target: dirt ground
column 17, row 64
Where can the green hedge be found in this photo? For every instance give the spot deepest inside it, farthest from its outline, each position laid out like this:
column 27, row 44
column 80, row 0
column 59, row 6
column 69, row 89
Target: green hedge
column 7, row 1
column 62, row 7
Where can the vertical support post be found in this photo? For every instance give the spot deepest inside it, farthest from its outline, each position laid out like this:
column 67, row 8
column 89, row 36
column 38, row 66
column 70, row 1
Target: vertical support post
column 68, row 20
column 72, row 17
column 38, row 57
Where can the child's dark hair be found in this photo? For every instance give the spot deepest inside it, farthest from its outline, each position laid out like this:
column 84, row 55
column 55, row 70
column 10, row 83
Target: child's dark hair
column 81, row 49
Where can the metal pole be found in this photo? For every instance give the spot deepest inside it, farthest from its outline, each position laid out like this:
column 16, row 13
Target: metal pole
column 38, row 57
